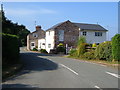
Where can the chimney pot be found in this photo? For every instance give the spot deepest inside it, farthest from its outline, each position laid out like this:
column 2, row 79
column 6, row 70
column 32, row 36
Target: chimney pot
column 38, row 27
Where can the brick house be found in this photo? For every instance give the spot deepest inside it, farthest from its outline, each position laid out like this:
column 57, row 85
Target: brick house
column 32, row 38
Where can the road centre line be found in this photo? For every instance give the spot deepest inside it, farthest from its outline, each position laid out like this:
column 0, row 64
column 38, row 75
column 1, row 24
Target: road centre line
column 113, row 74
column 69, row 69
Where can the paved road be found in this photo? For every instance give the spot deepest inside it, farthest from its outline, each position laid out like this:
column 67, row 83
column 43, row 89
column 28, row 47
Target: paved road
column 50, row 71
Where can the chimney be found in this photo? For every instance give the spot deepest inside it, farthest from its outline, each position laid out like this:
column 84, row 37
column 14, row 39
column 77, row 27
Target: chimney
column 38, row 27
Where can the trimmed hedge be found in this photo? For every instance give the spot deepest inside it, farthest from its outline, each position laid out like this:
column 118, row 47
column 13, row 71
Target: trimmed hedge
column 116, row 47
column 10, row 49
column 104, row 51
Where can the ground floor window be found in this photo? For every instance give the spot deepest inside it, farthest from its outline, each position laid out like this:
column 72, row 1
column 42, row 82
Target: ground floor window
column 32, row 44
column 49, row 45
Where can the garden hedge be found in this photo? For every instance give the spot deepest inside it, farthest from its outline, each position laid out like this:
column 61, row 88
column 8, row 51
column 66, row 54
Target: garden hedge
column 104, row 51
column 10, row 49
column 116, row 47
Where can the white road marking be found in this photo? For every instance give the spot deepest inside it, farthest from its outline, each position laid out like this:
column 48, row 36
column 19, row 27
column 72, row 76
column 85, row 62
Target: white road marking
column 98, row 87
column 113, row 74
column 69, row 69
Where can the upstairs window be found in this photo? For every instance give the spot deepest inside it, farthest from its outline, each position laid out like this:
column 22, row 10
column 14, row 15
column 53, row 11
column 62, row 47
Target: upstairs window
column 49, row 32
column 84, row 33
column 43, row 43
column 35, row 35
column 61, row 35
column 98, row 33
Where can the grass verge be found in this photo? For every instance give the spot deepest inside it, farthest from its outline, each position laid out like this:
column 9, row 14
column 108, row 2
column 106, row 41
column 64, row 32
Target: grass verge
column 103, row 62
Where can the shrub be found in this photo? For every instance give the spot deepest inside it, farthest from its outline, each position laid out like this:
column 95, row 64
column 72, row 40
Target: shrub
column 34, row 49
column 81, row 49
column 89, row 55
column 94, row 45
column 60, row 48
column 60, row 45
column 10, row 49
column 104, row 51
column 82, row 39
column 43, row 51
column 116, row 47
column 73, row 52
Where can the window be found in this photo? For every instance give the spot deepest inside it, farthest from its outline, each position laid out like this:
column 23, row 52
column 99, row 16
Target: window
column 98, row 33
column 32, row 44
column 35, row 35
column 49, row 32
column 49, row 45
column 84, row 33
column 43, row 43
column 61, row 35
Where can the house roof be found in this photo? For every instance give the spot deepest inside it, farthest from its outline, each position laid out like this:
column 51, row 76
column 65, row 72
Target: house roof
column 82, row 26
column 53, row 27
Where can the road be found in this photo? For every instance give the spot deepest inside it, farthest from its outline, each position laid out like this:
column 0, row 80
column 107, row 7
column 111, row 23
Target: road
column 51, row 71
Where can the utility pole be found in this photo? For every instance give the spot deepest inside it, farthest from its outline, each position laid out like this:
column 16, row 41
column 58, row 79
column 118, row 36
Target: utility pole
column 1, row 7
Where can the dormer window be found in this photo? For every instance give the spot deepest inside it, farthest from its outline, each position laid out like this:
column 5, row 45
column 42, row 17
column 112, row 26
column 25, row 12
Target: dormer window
column 35, row 35
column 84, row 33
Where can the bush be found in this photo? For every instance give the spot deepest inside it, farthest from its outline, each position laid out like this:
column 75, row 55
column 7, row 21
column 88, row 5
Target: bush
column 116, row 47
column 60, row 48
column 34, row 49
column 104, row 51
column 10, row 49
column 81, row 49
column 43, row 51
column 89, row 55
column 73, row 52
column 82, row 39
column 94, row 45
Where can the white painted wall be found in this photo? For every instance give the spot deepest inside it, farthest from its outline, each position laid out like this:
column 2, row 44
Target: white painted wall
column 50, row 40
column 41, row 44
column 91, row 38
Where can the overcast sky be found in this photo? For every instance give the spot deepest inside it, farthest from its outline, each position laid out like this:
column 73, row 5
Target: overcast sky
column 48, row 14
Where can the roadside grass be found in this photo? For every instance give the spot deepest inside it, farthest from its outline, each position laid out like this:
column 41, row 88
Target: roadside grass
column 108, row 63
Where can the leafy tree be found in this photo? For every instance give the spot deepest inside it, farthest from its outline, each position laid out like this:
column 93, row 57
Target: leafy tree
column 9, row 27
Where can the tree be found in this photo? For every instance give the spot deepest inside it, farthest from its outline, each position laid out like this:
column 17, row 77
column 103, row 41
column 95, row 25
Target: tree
column 9, row 27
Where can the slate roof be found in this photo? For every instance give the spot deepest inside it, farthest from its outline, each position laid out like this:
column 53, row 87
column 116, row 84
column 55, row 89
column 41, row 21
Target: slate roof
column 53, row 27
column 83, row 26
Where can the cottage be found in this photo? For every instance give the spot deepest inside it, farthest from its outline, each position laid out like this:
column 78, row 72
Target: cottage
column 34, row 37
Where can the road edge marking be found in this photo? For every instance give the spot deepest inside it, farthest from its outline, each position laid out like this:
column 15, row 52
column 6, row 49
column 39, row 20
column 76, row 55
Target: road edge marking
column 69, row 69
